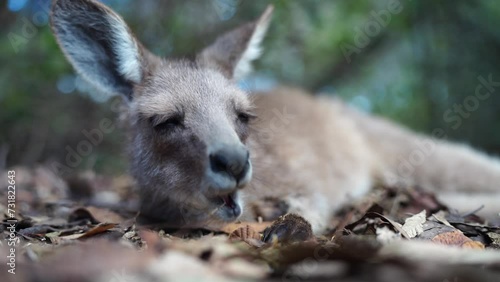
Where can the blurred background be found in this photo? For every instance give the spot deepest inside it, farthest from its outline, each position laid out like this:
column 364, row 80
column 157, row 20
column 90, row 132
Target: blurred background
column 425, row 64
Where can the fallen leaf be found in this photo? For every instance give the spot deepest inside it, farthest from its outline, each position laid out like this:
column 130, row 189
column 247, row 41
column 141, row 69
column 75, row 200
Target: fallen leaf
column 414, row 225
column 248, row 235
column 98, row 229
column 457, row 238
column 82, row 214
column 257, row 226
column 423, row 200
column 105, row 215
column 375, row 212
column 495, row 239
column 473, row 245
column 441, row 217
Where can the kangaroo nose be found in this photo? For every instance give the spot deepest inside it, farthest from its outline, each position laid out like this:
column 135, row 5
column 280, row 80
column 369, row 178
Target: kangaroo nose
column 233, row 161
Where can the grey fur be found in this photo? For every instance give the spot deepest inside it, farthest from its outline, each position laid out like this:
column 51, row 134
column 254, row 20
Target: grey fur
column 315, row 154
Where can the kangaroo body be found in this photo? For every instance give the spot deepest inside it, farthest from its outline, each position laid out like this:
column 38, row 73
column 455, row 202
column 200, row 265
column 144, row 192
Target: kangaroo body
column 201, row 149
column 307, row 152
column 322, row 154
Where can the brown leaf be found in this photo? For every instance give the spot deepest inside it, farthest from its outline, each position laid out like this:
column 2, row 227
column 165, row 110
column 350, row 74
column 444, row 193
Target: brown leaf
column 82, row 214
column 457, row 238
column 98, row 229
column 257, row 226
column 248, row 235
column 95, row 215
column 420, row 199
column 473, row 245
column 376, row 212
column 105, row 215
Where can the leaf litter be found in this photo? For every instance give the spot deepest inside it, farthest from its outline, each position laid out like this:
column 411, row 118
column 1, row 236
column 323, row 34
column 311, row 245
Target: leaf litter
column 65, row 232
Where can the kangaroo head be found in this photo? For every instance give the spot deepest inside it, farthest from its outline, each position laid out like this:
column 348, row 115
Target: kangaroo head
column 188, row 121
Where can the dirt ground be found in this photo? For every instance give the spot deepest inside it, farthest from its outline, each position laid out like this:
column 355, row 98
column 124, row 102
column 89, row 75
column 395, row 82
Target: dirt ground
column 83, row 228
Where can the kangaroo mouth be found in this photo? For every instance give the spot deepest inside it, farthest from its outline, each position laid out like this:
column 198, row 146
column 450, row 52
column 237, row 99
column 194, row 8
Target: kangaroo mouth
column 229, row 200
column 228, row 205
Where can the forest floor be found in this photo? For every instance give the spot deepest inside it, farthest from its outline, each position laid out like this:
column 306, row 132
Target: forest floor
column 83, row 229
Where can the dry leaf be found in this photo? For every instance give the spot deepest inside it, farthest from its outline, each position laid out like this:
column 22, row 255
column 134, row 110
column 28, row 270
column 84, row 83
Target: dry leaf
column 248, row 235
column 375, row 212
column 473, row 245
column 257, row 226
column 495, row 239
column 457, row 238
column 414, row 225
column 100, row 228
column 105, row 215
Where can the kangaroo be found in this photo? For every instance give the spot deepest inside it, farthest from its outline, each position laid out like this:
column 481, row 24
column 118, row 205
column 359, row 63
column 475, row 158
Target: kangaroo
column 201, row 149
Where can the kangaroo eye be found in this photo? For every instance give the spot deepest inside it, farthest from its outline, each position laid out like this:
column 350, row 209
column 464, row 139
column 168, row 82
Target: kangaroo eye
column 168, row 124
column 245, row 117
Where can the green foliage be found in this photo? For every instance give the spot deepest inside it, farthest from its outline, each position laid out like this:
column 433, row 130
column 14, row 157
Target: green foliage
column 416, row 66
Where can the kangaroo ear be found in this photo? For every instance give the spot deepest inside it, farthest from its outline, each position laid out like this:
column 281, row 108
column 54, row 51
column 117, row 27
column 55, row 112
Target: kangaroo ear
column 98, row 44
column 233, row 52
